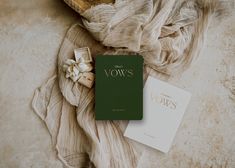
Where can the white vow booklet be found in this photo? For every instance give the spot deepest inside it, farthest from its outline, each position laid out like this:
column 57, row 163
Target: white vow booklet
column 164, row 106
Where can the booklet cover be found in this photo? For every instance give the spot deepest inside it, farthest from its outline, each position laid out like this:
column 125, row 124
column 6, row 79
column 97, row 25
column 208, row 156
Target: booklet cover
column 164, row 106
column 119, row 87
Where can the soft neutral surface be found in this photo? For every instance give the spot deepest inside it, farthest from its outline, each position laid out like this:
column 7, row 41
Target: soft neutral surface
column 67, row 108
column 206, row 136
column 167, row 34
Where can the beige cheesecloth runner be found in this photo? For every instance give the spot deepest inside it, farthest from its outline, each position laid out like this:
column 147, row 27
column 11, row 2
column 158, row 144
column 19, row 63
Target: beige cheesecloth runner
column 168, row 34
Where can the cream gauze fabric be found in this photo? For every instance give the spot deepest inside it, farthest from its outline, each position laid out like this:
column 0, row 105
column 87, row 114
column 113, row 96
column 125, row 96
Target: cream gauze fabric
column 67, row 108
column 168, row 34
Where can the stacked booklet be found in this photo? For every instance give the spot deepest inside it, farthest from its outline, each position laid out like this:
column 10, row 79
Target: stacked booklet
column 119, row 87
column 155, row 111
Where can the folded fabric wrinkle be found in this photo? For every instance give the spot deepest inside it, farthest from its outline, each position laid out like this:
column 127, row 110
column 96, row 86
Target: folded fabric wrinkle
column 168, row 34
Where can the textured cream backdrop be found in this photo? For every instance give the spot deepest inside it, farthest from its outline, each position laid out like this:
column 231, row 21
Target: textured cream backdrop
column 31, row 32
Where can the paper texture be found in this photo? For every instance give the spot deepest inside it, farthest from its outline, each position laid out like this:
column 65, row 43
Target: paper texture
column 119, row 87
column 164, row 106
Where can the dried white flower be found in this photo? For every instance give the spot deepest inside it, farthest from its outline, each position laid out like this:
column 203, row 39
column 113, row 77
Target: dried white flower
column 73, row 69
column 83, row 65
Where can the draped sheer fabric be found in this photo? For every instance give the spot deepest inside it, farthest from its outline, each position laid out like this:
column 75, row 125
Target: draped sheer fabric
column 168, row 34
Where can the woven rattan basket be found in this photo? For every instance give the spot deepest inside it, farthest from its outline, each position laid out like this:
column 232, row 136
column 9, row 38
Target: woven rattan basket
column 82, row 5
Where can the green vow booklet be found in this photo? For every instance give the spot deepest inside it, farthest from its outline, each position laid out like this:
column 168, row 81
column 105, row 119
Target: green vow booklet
column 119, row 87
